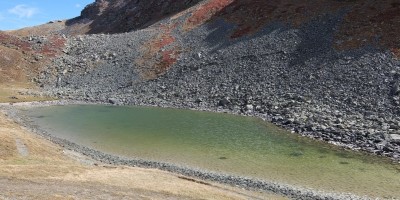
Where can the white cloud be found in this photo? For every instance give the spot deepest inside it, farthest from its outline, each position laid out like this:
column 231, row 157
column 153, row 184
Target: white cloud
column 23, row 11
column 78, row 5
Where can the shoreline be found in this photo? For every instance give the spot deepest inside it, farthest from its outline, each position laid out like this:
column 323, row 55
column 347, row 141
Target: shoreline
column 315, row 135
column 241, row 182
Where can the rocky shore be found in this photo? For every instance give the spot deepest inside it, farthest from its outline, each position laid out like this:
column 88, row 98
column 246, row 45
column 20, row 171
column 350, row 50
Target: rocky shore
column 293, row 192
column 292, row 77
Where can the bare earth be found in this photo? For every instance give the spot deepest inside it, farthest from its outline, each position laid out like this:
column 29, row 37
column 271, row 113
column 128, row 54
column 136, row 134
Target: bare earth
column 34, row 168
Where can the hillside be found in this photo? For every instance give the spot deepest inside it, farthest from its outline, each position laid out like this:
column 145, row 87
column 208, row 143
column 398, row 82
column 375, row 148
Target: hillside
column 20, row 61
column 326, row 69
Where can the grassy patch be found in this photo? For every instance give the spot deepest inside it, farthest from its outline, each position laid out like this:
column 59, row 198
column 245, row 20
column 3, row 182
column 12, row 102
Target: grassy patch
column 14, row 93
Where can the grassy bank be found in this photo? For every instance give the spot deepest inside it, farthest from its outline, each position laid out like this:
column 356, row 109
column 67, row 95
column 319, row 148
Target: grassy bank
column 19, row 92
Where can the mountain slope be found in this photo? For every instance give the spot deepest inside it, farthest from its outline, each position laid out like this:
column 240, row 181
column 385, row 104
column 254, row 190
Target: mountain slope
column 364, row 22
column 116, row 16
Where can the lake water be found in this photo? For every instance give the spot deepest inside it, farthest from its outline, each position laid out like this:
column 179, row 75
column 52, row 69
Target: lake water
column 237, row 145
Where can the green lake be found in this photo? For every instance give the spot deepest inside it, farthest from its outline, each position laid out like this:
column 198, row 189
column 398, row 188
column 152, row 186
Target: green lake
column 229, row 144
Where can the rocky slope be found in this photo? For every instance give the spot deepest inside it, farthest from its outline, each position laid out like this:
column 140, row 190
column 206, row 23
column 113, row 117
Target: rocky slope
column 325, row 69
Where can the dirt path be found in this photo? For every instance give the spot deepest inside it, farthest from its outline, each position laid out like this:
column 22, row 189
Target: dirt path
column 34, row 168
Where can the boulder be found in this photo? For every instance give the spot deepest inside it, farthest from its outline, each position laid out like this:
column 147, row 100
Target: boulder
column 113, row 101
column 249, row 107
column 224, row 102
column 395, row 138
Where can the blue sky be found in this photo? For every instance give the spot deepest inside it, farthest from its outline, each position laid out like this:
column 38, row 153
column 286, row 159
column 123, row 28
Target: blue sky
column 15, row 14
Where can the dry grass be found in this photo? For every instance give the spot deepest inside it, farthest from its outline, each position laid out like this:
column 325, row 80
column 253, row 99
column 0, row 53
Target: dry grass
column 14, row 77
column 16, row 92
column 44, row 157
column 11, row 65
column 44, row 29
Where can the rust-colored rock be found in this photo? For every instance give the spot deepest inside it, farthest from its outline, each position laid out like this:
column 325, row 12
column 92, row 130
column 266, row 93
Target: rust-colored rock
column 371, row 23
column 159, row 54
column 206, row 12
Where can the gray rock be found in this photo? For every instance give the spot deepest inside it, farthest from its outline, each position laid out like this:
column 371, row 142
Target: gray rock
column 114, row 101
column 396, row 89
column 224, row 102
column 249, row 107
column 395, row 138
